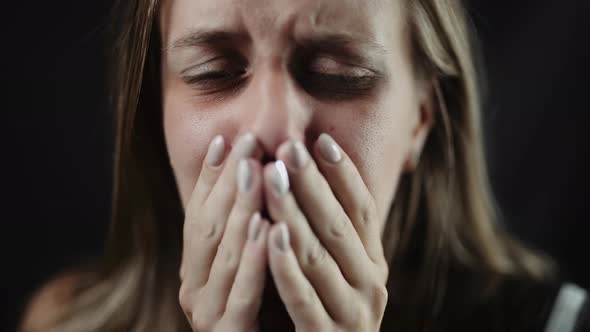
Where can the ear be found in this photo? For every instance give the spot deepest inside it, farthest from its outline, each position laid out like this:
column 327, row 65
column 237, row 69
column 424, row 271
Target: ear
column 422, row 126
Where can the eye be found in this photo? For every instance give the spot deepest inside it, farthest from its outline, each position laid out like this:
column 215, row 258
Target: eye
column 329, row 78
column 219, row 70
column 328, row 66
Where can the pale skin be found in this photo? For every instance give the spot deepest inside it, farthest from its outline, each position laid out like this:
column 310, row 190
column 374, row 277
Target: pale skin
column 287, row 154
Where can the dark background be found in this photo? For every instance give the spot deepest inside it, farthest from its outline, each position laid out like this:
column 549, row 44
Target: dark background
column 58, row 147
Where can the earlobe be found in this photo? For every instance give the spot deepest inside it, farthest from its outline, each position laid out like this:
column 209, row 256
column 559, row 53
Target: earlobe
column 421, row 130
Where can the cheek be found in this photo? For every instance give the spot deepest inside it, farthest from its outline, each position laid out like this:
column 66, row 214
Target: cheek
column 188, row 133
column 187, row 146
column 377, row 140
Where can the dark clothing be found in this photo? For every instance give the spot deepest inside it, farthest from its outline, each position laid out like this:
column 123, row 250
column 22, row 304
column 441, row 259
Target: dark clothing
column 583, row 323
column 509, row 306
column 506, row 306
column 526, row 308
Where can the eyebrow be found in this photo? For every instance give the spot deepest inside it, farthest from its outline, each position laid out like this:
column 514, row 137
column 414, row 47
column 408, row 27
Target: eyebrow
column 195, row 37
column 322, row 41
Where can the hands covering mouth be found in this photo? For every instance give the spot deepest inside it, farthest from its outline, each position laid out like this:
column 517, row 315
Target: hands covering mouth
column 308, row 216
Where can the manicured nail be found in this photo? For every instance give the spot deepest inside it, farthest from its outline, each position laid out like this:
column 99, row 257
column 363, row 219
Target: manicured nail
column 254, row 227
column 280, row 178
column 245, row 146
column 216, row 150
column 329, row 149
column 299, row 154
column 244, row 176
column 282, row 240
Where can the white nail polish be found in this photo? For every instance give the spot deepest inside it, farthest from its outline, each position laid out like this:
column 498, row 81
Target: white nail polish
column 280, row 178
column 329, row 149
column 246, row 146
column 216, row 150
column 244, row 176
column 299, row 154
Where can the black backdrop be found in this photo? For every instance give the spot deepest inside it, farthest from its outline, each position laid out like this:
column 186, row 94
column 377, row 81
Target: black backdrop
column 58, row 144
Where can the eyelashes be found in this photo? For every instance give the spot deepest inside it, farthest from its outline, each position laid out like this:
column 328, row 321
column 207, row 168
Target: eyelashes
column 323, row 77
column 217, row 71
column 336, row 86
column 212, row 78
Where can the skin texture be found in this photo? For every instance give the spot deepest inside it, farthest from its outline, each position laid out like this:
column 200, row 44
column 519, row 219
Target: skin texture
column 266, row 76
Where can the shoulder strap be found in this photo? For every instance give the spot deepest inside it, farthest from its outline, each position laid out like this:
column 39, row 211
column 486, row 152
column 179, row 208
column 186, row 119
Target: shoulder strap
column 566, row 309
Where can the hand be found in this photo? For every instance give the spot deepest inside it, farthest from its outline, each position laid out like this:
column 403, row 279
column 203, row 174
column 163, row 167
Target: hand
column 225, row 242
column 325, row 250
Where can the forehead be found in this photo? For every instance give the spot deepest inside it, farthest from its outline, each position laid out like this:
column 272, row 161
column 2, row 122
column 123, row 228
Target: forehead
column 373, row 20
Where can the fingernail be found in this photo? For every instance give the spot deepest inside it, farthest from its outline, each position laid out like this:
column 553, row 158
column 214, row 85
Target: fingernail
column 329, row 149
column 280, row 178
column 282, row 240
column 299, row 154
column 244, row 176
column 254, row 227
column 216, row 150
column 246, row 145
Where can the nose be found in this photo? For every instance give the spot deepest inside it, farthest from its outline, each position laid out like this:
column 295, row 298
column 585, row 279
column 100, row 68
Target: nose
column 276, row 108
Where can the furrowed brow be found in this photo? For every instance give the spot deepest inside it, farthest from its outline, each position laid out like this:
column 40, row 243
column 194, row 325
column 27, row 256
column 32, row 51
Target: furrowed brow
column 196, row 37
column 328, row 42
column 339, row 41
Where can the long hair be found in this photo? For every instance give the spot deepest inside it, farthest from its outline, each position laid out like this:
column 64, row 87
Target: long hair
column 442, row 221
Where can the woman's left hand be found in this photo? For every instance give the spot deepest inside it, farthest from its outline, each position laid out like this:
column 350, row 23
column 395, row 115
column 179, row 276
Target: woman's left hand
column 325, row 250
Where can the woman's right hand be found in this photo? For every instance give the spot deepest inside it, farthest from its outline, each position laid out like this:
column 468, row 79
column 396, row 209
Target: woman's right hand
column 224, row 248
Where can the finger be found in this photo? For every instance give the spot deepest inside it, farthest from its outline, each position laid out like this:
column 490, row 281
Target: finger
column 227, row 258
column 246, row 293
column 316, row 262
column 211, row 168
column 214, row 294
column 216, row 167
column 205, row 222
column 248, row 202
column 296, row 292
column 209, row 173
column 223, row 192
column 352, row 192
column 325, row 213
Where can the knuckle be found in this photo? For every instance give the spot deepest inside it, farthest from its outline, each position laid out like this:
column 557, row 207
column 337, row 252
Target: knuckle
column 185, row 298
column 340, row 227
column 316, row 255
column 229, row 256
column 383, row 272
column 208, row 229
column 379, row 297
column 367, row 212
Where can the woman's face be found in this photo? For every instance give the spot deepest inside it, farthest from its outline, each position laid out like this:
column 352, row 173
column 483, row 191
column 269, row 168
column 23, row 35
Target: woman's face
column 285, row 69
